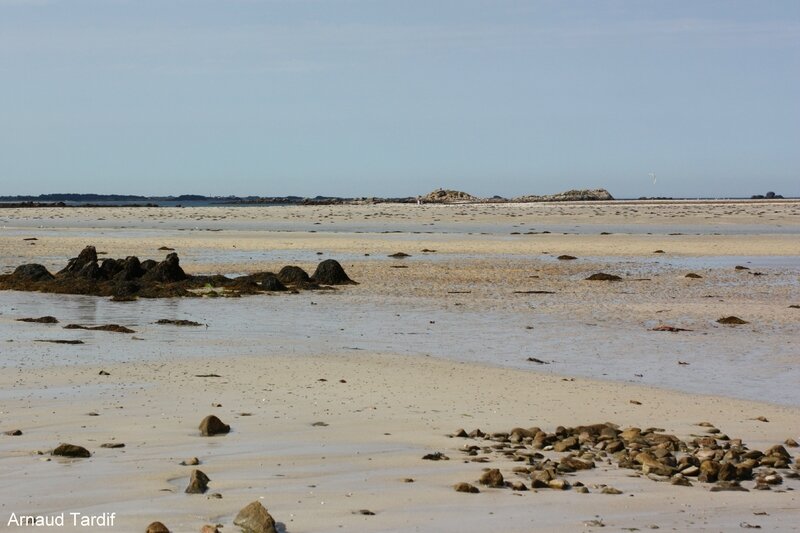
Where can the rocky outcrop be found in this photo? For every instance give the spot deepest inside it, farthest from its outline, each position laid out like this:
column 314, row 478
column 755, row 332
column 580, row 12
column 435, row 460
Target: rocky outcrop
column 447, row 196
column 573, row 195
column 129, row 278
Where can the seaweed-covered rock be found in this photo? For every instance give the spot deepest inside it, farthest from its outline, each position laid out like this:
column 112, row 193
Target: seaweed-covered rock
column 131, row 268
column 330, row 272
column 602, row 276
column 87, row 256
column 167, row 271
column 32, row 272
column 268, row 281
column 291, row 274
column 110, row 267
column 130, row 279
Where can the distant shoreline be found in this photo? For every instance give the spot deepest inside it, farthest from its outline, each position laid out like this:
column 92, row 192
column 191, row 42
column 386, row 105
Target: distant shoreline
column 99, row 200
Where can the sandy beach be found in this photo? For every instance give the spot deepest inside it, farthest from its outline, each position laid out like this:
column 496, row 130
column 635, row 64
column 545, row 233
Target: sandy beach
column 334, row 397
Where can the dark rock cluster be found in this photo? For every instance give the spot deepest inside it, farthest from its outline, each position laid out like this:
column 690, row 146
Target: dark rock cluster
column 129, row 278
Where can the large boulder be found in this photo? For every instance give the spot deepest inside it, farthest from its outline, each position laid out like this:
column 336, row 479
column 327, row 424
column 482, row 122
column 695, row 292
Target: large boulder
column 330, row 272
column 32, row 272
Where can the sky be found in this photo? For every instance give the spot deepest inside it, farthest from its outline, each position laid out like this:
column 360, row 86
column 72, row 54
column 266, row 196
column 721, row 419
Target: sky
column 397, row 98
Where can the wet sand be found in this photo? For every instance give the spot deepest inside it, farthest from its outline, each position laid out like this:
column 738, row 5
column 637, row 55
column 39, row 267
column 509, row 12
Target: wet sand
column 424, row 350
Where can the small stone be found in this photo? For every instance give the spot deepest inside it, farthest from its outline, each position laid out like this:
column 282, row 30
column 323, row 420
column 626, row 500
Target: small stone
column 582, row 490
column 14, row 432
column 679, row 479
column 436, row 456
column 208, row 528
column 254, row 518
column 157, row 527
column 770, row 479
column 610, row 490
column 71, row 450
column 559, row 484
column 518, row 486
column 691, row 471
column 791, row 443
column 198, row 483
column 492, row 478
column 103, row 373
column 112, row 445
column 723, row 486
column 466, row 487
column 214, row 496
column 565, row 444
column 193, row 461
column 366, row 512
column 778, row 451
column 211, row 425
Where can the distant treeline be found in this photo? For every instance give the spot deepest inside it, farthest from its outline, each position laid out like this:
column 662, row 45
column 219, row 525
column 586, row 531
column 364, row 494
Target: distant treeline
column 84, row 197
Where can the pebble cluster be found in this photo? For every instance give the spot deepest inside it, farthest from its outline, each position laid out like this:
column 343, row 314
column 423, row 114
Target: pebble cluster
column 712, row 458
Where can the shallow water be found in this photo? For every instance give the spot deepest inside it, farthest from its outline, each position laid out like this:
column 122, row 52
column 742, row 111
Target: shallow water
column 722, row 361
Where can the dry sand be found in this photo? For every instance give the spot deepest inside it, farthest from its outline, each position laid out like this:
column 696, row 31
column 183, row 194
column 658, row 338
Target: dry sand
column 396, row 406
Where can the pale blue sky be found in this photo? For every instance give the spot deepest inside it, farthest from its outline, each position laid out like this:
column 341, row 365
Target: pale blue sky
column 371, row 97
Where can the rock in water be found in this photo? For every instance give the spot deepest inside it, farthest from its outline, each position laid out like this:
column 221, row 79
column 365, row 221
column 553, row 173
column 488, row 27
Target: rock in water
column 255, row 519
column 566, row 257
column 157, row 527
column 71, row 450
column 87, row 257
column 41, row 320
column 32, row 272
column 330, row 272
column 602, row 276
column 198, row 483
column 211, row 425
column 293, row 274
column 167, row 271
